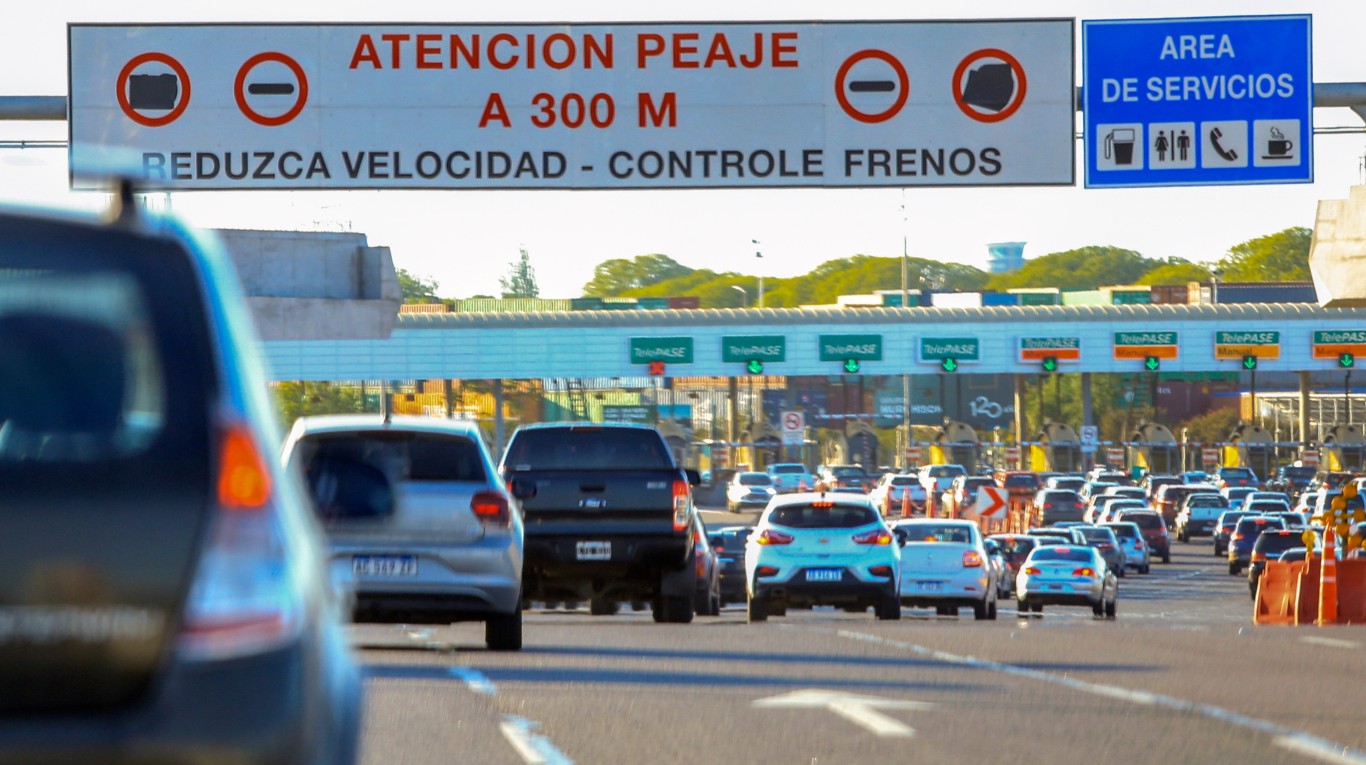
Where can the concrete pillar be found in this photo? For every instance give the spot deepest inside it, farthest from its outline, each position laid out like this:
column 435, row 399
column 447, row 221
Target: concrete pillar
column 497, row 419
column 732, row 408
column 1304, row 409
column 1019, row 408
column 1088, row 415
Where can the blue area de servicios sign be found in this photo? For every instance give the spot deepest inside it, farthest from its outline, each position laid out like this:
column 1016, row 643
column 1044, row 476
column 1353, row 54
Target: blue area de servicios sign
column 1200, row 101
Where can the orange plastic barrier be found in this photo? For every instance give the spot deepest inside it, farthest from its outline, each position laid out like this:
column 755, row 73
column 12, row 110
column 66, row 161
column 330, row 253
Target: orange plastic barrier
column 1352, row 591
column 1276, row 593
column 1328, row 581
column 1307, row 595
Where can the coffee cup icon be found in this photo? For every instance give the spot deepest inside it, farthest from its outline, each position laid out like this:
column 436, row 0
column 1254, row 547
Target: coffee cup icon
column 1279, row 147
column 1119, row 145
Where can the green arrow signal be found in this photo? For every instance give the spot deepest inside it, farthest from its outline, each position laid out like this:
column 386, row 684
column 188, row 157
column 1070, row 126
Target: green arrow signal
column 1050, row 363
column 949, row 365
column 1151, row 363
column 851, row 366
column 755, row 367
column 1346, row 360
column 1249, row 362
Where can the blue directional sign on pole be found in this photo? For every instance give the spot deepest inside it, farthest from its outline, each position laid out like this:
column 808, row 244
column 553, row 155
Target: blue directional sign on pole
column 1199, row 101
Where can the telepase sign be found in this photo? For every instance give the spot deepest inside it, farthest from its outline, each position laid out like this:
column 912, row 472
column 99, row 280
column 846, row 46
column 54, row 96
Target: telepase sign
column 679, row 105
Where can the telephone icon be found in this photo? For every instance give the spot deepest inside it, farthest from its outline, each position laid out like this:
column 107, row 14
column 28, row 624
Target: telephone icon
column 1229, row 155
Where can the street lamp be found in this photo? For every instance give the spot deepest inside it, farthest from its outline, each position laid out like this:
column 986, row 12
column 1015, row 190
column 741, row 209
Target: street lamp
column 1214, row 285
column 744, row 295
column 759, row 254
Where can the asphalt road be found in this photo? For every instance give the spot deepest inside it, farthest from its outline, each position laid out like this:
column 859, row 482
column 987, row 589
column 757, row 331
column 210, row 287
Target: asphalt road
column 1181, row 676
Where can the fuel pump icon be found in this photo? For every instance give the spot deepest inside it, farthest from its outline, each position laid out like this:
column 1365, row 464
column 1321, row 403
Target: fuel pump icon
column 1119, row 145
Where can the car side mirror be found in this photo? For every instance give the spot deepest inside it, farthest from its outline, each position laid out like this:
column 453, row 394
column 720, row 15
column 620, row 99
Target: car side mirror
column 694, row 477
column 522, row 488
column 901, row 537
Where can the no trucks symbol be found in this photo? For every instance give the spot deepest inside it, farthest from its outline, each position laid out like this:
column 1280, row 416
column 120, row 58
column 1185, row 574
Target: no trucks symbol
column 989, row 85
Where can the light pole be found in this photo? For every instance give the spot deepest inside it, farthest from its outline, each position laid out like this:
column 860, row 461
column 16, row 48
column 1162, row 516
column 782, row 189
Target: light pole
column 759, row 254
column 1214, row 285
column 744, row 295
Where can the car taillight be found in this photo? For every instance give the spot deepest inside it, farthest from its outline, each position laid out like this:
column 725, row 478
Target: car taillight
column 1256, row 556
column 1237, row 537
column 971, row 559
column 491, row 508
column 771, row 537
column 1032, row 571
column 1138, row 544
column 766, row 571
column 1048, row 505
column 245, row 597
column 880, row 571
column 681, row 497
column 1084, row 571
column 874, row 537
column 1105, row 546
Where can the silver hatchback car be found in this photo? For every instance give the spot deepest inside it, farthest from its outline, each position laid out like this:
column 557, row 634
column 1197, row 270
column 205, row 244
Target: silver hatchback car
column 416, row 519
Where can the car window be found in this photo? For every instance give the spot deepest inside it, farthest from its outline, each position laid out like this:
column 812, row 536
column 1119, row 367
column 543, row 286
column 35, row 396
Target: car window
column 755, row 479
column 938, row 532
column 88, row 325
column 401, row 455
column 788, row 469
column 1143, row 520
column 1062, row 554
column 904, row 480
column 1016, row 545
column 1021, row 481
column 1097, row 535
column 1061, row 495
column 823, row 516
column 946, row 471
column 1124, row 530
column 588, row 449
column 1276, row 543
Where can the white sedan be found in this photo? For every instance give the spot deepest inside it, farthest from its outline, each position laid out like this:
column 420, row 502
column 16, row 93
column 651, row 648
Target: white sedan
column 944, row 564
column 1066, row 575
column 894, row 489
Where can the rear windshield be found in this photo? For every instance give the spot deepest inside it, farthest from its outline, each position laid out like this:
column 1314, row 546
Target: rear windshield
column 1096, row 536
column 588, row 449
column 946, row 471
column 838, row 516
column 1277, row 543
column 846, row 471
column 1143, row 520
column 756, row 479
column 938, row 532
column 729, row 540
column 1235, row 472
column 403, row 456
column 1125, row 530
column 1022, row 481
column 1061, row 495
column 1197, row 500
column 1061, row 553
column 904, row 480
column 1016, row 545
column 788, row 469
column 104, row 350
column 1258, row 525
column 1305, row 473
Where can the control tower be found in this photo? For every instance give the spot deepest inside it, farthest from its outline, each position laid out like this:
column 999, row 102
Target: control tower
column 1006, row 256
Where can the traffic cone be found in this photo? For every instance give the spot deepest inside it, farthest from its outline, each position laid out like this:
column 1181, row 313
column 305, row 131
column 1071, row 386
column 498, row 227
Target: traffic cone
column 1328, row 580
column 801, row 485
column 905, row 503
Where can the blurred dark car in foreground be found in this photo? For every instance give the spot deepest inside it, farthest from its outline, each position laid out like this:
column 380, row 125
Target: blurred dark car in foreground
column 163, row 594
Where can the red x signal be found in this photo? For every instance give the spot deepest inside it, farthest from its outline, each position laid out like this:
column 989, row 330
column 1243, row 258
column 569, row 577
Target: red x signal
column 656, row 369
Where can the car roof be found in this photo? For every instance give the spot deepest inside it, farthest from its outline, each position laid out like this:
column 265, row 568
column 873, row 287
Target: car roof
column 341, row 423
column 801, row 498
column 585, row 426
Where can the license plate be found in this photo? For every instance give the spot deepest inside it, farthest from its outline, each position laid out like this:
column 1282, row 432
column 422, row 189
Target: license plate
column 929, row 586
column 593, row 550
column 384, row 565
column 824, row 575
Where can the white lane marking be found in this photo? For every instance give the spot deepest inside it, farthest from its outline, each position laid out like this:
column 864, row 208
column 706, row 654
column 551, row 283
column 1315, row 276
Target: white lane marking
column 857, row 709
column 532, row 747
column 1330, row 642
column 474, row 680
column 1287, row 738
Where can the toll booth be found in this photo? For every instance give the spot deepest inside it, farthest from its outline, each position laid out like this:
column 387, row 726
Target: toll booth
column 679, row 439
column 1343, row 449
column 765, row 446
column 955, row 444
column 1251, row 446
column 1153, row 448
column 861, row 440
column 1056, row 447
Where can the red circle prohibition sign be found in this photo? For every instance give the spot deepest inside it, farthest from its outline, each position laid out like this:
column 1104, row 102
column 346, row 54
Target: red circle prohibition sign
column 792, row 422
column 903, row 80
column 239, row 87
column 973, row 58
column 121, row 88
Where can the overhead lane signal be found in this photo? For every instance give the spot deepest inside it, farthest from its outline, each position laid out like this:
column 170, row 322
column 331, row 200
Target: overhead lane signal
column 1050, row 364
column 1152, row 363
column 949, row 364
column 1347, row 360
column 754, row 367
column 852, row 366
column 1249, row 363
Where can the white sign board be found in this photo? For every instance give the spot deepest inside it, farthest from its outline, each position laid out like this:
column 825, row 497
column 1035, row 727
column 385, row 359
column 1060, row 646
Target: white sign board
column 793, row 428
column 608, row 106
column 1090, row 438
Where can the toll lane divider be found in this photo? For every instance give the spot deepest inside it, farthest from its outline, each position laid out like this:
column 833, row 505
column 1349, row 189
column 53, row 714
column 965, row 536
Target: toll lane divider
column 1290, row 593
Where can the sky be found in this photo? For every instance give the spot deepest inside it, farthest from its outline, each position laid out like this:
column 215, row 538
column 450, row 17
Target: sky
column 466, row 240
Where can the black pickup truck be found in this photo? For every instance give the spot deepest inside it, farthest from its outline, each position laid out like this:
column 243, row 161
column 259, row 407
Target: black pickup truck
column 608, row 516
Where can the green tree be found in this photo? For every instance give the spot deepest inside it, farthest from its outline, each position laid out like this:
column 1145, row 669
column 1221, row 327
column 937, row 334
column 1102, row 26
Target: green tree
column 298, row 399
column 1279, row 257
column 1178, row 272
column 1085, row 268
column 613, row 278
column 1211, row 427
column 417, row 289
column 521, row 279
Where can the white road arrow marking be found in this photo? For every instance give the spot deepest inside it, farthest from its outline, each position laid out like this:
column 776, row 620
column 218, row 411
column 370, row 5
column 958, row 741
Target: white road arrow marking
column 859, row 710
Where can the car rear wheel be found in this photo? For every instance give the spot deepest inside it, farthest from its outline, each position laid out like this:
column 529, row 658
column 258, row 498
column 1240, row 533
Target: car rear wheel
column 889, row 608
column 1098, row 608
column 677, row 609
column 1146, row 568
column 1233, row 569
column 1036, row 607
column 758, row 609
column 1167, row 556
column 980, row 610
column 1110, row 608
column 503, row 632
